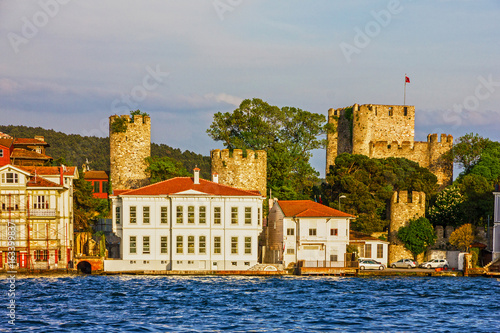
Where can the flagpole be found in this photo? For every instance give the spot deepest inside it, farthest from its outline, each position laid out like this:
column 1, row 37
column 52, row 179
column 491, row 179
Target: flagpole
column 404, row 101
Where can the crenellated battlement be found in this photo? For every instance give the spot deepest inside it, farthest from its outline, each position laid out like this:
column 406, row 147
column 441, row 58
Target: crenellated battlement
column 243, row 169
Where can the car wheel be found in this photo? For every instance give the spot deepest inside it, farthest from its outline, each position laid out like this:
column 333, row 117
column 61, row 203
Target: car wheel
column 381, row 268
column 445, row 266
column 393, row 266
column 362, row 268
column 409, row 266
column 429, row 266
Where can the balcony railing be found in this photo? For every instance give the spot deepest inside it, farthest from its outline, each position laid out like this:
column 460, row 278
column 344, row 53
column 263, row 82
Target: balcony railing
column 43, row 212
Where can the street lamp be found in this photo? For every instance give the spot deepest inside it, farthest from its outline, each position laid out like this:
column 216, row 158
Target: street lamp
column 341, row 197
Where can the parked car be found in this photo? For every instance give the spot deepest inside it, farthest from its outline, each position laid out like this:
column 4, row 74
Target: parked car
column 435, row 263
column 370, row 264
column 404, row 263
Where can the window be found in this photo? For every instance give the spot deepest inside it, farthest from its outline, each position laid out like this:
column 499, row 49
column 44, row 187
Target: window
column 97, row 188
column 145, row 244
column 234, row 245
column 133, row 214
column 312, row 232
column 179, row 214
column 179, row 245
column 333, row 257
column 117, row 215
column 41, row 255
column 234, row 215
column 104, row 187
column 191, row 214
column 405, row 111
column 390, row 111
column 248, row 215
column 290, row 231
column 1, row 152
column 368, row 250
column 334, row 232
column 202, row 215
column 248, row 245
column 216, row 215
column 202, row 245
column 145, row 215
column 190, row 244
column 217, row 245
column 258, row 216
column 234, row 263
column 290, row 251
column 40, row 202
column 380, row 250
column 133, row 244
column 163, row 245
column 164, row 215
column 10, row 178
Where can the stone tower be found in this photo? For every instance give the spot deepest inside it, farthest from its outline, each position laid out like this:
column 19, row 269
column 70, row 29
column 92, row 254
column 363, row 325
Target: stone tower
column 403, row 207
column 381, row 131
column 246, row 171
column 129, row 145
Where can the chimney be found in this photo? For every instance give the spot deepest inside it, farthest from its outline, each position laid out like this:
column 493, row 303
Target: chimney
column 196, row 176
column 215, row 177
column 61, row 174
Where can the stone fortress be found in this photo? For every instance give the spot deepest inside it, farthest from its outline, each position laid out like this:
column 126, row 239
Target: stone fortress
column 381, row 131
column 247, row 171
column 128, row 148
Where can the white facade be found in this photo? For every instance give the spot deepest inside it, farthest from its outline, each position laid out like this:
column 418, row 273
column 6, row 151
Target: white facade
column 36, row 217
column 370, row 247
column 315, row 239
column 496, row 227
column 191, row 230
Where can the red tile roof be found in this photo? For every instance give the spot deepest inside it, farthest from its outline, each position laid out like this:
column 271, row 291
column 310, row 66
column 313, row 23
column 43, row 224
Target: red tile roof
column 28, row 154
column 41, row 182
column 181, row 184
column 95, row 175
column 308, row 208
column 47, row 171
column 6, row 142
column 30, row 141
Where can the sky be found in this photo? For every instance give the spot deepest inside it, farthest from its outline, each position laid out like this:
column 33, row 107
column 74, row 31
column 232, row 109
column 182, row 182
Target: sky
column 68, row 65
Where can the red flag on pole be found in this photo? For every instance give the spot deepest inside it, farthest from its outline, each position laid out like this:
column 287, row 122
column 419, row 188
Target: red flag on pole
column 407, row 79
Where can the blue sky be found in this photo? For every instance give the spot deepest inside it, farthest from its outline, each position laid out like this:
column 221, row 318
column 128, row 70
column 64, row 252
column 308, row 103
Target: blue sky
column 70, row 64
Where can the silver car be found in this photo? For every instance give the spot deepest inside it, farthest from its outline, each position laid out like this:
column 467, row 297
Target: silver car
column 404, row 263
column 435, row 263
column 370, row 264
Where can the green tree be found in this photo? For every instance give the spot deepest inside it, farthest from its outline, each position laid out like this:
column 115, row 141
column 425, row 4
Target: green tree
column 447, row 209
column 368, row 185
column 86, row 208
column 163, row 168
column 287, row 134
column 463, row 237
column 467, row 150
column 478, row 202
column 417, row 236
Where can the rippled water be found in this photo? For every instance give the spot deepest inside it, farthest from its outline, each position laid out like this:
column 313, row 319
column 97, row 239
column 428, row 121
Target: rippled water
column 258, row 304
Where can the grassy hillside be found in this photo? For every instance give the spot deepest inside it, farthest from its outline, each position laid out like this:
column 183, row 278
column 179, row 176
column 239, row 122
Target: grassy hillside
column 76, row 148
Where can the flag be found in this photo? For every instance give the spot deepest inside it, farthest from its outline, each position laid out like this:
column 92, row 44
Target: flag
column 320, row 201
column 407, row 79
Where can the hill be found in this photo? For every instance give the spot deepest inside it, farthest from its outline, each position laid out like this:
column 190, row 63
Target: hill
column 75, row 149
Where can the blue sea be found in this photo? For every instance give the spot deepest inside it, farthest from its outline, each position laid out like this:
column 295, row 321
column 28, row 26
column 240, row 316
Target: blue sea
column 252, row 304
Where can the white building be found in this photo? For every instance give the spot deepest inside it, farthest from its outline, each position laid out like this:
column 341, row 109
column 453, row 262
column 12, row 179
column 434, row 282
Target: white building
column 186, row 224
column 36, row 216
column 370, row 247
column 496, row 227
column 306, row 230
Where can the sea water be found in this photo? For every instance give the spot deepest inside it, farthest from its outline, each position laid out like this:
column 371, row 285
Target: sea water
column 252, row 304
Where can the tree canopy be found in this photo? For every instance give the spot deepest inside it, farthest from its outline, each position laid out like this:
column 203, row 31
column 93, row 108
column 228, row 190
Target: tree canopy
column 163, row 168
column 368, row 185
column 417, row 236
column 463, row 237
column 287, row 134
column 86, row 208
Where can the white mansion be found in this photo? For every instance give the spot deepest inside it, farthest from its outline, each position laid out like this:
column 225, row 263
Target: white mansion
column 186, row 224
